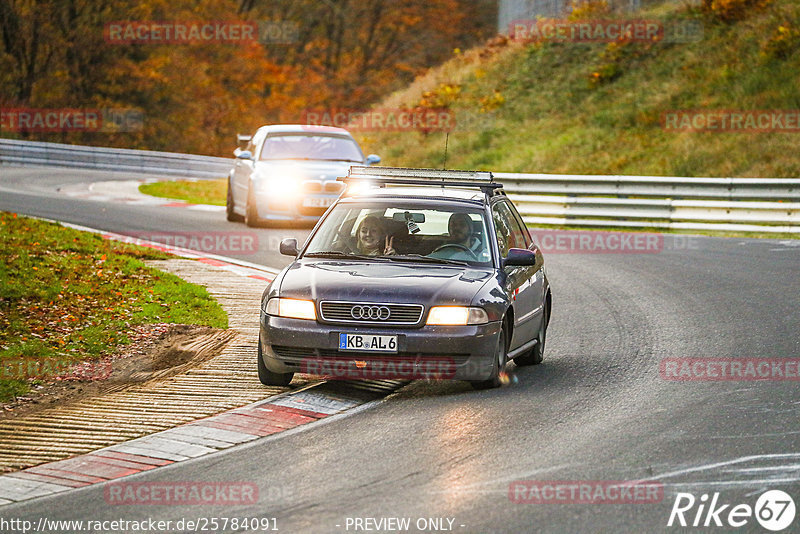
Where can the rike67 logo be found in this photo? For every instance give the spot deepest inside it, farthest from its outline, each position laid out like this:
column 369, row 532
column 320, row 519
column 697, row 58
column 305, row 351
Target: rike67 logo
column 774, row 510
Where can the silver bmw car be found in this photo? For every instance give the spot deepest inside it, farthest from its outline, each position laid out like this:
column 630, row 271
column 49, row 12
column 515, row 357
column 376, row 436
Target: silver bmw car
column 287, row 172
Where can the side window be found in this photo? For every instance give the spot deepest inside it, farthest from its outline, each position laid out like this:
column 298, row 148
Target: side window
column 255, row 143
column 503, row 229
column 510, row 231
column 525, row 233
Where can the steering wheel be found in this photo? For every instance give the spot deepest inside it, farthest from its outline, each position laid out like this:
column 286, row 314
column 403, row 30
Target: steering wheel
column 456, row 246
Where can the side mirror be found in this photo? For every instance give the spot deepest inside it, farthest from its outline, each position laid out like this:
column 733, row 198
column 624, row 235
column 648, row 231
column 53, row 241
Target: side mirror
column 244, row 154
column 520, row 257
column 289, row 247
column 373, row 159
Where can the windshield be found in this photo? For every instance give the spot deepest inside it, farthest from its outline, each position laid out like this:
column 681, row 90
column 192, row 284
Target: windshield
column 318, row 147
column 398, row 231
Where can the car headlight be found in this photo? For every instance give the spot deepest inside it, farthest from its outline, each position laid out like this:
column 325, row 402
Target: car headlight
column 280, row 187
column 457, row 315
column 293, row 308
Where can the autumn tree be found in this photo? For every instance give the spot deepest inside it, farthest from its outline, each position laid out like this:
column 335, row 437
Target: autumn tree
column 196, row 97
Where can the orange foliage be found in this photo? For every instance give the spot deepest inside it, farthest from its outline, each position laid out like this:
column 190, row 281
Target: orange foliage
column 196, row 97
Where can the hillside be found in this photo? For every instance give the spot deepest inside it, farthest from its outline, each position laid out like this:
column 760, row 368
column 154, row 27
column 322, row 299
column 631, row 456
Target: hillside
column 597, row 108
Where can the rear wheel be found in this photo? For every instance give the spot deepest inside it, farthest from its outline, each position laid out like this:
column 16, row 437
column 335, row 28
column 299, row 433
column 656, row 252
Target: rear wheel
column 498, row 364
column 267, row 377
column 251, row 213
column 231, row 215
column 536, row 354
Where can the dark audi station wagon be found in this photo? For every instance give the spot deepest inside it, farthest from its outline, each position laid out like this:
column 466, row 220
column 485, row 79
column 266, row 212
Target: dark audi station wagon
column 412, row 273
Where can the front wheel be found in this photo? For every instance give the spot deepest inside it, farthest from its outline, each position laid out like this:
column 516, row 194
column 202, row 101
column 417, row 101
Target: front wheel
column 536, row 354
column 267, row 377
column 498, row 364
column 250, row 211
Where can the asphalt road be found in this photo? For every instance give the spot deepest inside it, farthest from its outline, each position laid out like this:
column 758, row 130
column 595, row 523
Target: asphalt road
column 597, row 409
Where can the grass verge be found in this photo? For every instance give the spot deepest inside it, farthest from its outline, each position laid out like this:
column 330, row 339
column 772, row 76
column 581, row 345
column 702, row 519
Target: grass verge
column 596, row 108
column 68, row 297
column 194, row 192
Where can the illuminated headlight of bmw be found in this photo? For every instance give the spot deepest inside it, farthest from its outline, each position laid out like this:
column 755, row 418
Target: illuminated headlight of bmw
column 457, row 316
column 286, row 187
column 292, row 308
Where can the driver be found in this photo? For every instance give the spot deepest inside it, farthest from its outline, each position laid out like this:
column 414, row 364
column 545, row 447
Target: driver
column 372, row 238
column 461, row 233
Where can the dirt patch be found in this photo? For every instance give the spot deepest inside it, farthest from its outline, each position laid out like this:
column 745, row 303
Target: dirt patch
column 157, row 351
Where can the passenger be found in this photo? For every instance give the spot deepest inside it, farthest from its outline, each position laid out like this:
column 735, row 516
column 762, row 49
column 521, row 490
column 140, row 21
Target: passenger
column 372, row 238
column 461, row 232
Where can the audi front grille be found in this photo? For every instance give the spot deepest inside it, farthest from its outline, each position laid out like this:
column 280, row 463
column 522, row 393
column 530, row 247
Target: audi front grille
column 371, row 313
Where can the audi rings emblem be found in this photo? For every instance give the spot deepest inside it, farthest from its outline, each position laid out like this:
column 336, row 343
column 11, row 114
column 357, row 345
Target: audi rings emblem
column 370, row 313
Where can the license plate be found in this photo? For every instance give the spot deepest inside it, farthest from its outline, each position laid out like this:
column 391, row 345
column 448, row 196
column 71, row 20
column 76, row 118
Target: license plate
column 367, row 343
column 318, row 202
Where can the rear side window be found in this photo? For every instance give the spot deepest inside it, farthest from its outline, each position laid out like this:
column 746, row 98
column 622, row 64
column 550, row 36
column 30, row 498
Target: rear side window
column 510, row 233
column 526, row 234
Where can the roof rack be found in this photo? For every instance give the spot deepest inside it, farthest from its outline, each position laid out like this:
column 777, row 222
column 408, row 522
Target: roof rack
column 431, row 177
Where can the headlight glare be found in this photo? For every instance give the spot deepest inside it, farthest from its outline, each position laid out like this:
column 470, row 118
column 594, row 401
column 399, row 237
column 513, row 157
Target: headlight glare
column 278, row 186
column 292, row 308
column 457, row 316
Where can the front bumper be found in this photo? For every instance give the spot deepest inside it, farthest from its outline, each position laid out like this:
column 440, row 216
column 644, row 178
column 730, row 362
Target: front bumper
column 275, row 207
column 450, row 352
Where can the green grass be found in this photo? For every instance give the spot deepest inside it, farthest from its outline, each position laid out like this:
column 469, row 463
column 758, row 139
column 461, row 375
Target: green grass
column 556, row 120
column 195, row 192
column 68, row 296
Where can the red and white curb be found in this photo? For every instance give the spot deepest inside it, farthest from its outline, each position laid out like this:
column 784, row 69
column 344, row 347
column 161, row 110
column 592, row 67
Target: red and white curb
column 199, row 438
column 206, row 436
column 127, row 192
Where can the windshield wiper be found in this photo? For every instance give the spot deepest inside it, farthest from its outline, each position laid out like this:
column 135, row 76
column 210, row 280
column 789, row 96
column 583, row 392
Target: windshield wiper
column 342, row 159
column 426, row 259
column 338, row 254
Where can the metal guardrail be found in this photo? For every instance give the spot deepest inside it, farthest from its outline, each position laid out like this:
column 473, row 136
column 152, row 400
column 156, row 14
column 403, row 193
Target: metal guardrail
column 663, row 214
column 785, row 189
column 644, row 202
column 14, row 152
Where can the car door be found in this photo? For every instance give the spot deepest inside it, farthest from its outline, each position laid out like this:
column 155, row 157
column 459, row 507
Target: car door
column 518, row 279
column 243, row 169
column 536, row 283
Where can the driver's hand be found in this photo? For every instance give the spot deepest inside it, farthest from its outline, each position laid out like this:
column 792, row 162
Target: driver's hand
column 388, row 249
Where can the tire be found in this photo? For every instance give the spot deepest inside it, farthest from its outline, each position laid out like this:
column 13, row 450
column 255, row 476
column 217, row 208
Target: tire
column 500, row 360
column 536, row 354
column 267, row 377
column 251, row 214
column 230, row 214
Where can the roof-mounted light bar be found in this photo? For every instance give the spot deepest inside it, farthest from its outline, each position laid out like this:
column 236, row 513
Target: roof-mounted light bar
column 431, row 177
column 362, row 171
